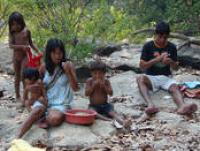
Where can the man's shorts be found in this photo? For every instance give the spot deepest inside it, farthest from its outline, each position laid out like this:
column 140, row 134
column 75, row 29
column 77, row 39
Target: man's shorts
column 61, row 108
column 160, row 82
column 103, row 109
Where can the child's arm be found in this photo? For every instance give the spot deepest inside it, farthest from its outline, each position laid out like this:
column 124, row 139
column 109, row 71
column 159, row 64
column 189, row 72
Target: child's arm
column 25, row 95
column 90, row 87
column 27, row 101
column 44, row 94
column 31, row 42
column 13, row 46
column 107, row 86
column 70, row 71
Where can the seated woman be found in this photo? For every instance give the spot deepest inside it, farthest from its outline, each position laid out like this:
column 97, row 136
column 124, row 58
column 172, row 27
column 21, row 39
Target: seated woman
column 59, row 80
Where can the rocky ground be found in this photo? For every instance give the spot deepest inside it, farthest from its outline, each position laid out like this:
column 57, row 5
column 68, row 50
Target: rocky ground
column 166, row 131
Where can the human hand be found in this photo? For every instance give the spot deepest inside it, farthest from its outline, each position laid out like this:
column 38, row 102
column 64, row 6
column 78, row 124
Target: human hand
column 167, row 60
column 102, row 83
column 164, row 54
column 159, row 58
column 25, row 48
column 96, row 82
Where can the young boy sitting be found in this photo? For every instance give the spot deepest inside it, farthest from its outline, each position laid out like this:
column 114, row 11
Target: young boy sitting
column 34, row 92
column 97, row 89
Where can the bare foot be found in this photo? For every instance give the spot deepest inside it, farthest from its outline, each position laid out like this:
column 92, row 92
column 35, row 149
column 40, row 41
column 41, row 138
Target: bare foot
column 189, row 116
column 127, row 123
column 147, row 147
column 43, row 125
column 187, row 109
column 151, row 110
column 144, row 118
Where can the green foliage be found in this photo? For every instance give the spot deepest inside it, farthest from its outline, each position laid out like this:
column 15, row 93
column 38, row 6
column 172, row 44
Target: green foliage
column 106, row 20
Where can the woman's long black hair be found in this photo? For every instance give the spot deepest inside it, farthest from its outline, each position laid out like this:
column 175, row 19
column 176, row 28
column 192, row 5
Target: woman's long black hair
column 18, row 18
column 52, row 44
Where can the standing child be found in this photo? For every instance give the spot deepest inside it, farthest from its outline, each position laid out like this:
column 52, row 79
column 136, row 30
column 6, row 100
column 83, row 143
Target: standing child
column 34, row 91
column 19, row 40
column 97, row 89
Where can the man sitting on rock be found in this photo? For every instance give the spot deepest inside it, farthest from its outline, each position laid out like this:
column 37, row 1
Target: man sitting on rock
column 156, row 59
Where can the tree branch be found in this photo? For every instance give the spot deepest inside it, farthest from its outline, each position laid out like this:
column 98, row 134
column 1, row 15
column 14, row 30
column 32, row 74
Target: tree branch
column 189, row 40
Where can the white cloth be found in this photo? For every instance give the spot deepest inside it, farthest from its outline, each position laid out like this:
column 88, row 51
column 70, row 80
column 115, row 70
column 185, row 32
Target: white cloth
column 160, row 82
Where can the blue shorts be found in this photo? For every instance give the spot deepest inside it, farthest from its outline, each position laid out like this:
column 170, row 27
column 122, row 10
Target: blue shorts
column 103, row 109
column 61, row 108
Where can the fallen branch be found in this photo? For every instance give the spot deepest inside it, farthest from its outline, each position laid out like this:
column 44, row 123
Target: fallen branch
column 190, row 40
column 187, row 43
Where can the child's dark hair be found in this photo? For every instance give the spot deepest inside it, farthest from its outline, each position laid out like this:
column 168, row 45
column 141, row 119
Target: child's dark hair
column 97, row 66
column 31, row 74
column 162, row 28
column 18, row 18
column 51, row 46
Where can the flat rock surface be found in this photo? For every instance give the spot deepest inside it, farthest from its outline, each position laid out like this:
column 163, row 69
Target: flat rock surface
column 165, row 131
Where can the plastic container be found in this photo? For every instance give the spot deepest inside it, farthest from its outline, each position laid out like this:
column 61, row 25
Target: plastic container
column 80, row 116
column 33, row 61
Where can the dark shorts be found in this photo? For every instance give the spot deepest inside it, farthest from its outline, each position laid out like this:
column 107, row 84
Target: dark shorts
column 103, row 109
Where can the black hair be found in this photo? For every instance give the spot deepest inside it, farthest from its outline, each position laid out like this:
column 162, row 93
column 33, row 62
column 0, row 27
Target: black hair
column 18, row 18
column 51, row 46
column 162, row 28
column 31, row 74
column 97, row 66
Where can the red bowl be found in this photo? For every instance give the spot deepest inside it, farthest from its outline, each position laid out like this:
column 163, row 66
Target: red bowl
column 80, row 116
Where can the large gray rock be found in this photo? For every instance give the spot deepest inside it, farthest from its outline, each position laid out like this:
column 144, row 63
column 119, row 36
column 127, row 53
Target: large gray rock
column 124, row 84
column 69, row 135
column 107, row 50
column 127, row 109
column 190, row 56
column 103, row 128
column 36, row 135
column 125, row 87
column 192, row 128
column 8, row 130
column 126, row 59
column 7, row 114
column 186, row 78
column 80, row 103
column 162, row 144
column 7, row 83
column 169, row 117
column 163, row 100
column 6, row 58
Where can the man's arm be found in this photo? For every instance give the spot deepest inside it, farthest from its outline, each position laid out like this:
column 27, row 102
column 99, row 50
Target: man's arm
column 145, row 61
column 147, row 64
column 172, row 59
column 173, row 64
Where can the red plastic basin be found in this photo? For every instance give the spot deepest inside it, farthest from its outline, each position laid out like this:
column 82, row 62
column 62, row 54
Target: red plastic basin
column 80, row 116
